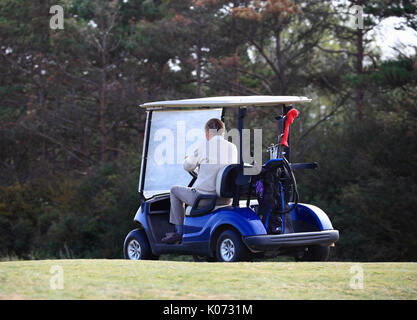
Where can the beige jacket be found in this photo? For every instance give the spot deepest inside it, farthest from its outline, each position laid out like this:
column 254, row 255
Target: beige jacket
column 209, row 158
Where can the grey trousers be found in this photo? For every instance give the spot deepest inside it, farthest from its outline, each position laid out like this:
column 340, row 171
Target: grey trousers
column 180, row 195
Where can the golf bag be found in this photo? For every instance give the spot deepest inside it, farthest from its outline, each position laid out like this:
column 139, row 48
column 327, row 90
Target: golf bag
column 275, row 188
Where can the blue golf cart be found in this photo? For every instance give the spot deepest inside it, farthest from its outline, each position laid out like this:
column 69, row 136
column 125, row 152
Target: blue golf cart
column 264, row 218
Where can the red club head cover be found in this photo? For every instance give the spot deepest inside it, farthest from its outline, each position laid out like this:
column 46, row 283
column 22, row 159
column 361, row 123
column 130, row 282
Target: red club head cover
column 291, row 115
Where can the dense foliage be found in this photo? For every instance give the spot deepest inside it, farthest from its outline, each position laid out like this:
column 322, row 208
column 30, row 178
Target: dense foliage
column 71, row 133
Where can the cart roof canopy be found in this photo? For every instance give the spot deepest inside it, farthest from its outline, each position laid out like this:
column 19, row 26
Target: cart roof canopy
column 228, row 101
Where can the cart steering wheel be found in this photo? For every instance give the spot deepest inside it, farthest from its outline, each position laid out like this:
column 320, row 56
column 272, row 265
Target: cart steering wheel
column 193, row 173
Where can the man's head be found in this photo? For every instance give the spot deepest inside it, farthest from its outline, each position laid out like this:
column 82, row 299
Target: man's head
column 214, row 127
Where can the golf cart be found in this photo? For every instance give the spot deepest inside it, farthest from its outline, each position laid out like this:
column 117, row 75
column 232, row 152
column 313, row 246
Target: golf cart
column 265, row 217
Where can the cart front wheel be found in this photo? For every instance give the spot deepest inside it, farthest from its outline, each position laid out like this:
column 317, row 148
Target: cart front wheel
column 198, row 258
column 136, row 246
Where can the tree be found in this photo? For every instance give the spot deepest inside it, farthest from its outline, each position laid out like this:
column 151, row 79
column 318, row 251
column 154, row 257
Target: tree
column 355, row 41
column 280, row 55
column 101, row 36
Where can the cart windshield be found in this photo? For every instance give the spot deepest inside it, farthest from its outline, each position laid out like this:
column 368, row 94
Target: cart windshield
column 171, row 135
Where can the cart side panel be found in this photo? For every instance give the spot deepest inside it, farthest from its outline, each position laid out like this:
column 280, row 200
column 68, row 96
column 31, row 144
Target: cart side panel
column 307, row 217
column 202, row 228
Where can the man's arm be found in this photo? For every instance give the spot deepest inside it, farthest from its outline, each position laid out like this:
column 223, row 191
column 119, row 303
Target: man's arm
column 192, row 161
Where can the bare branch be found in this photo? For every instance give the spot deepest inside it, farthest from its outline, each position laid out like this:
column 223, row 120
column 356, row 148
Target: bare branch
column 325, row 117
column 336, row 51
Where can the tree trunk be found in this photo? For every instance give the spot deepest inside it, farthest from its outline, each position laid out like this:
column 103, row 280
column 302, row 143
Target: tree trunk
column 280, row 59
column 42, row 101
column 359, row 70
column 198, row 70
column 102, row 116
column 102, row 98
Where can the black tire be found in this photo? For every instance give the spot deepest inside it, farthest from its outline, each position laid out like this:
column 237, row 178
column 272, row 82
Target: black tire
column 230, row 247
column 315, row 253
column 258, row 255
column 136, row 246
column 198, row 258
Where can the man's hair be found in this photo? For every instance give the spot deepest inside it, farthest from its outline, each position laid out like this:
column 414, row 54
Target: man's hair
column 215, row 126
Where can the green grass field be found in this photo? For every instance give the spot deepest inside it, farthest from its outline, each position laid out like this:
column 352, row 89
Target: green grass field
column 124, row 279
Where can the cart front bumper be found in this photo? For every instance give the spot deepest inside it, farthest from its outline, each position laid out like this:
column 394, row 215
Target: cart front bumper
column 299, row 239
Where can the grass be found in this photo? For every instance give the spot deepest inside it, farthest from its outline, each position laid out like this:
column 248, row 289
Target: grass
column 125, row 279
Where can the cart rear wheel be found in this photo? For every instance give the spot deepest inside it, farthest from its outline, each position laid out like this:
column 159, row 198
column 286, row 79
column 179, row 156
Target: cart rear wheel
column 315, row 253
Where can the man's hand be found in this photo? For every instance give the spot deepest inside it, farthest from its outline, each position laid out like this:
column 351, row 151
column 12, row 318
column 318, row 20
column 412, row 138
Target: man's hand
column 191, row 161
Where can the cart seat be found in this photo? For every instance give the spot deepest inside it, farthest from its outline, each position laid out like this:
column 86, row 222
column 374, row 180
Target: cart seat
column 189, row 208
column 226, row 179
column 224, row 191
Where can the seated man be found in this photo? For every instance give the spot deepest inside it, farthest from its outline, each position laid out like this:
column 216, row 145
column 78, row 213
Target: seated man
column 209, row 157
